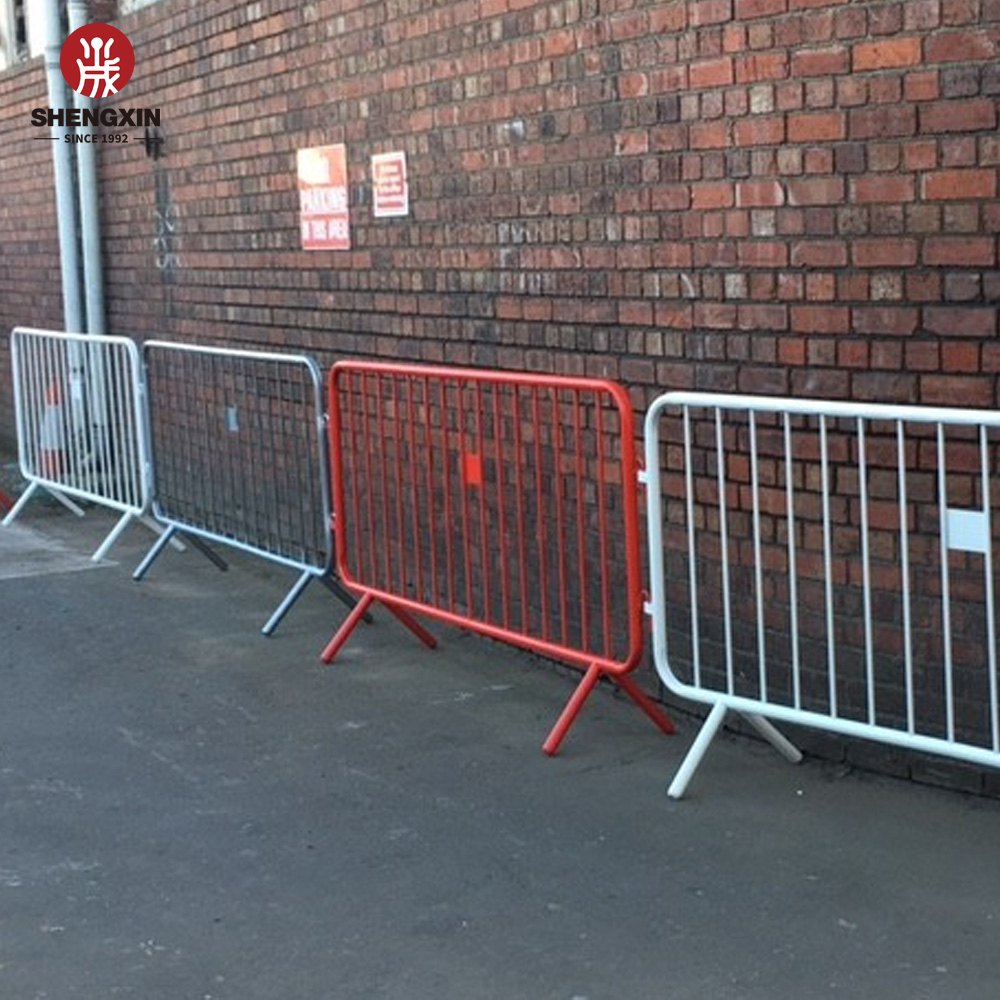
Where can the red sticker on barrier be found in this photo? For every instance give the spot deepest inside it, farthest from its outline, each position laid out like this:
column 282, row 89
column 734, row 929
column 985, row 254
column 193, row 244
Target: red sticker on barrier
column 472, row 469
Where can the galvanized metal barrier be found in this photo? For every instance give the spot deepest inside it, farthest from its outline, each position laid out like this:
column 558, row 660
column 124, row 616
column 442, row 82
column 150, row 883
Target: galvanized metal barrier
column 80, row 433
column 239, row 454
column 502, row 503
column 826, row 564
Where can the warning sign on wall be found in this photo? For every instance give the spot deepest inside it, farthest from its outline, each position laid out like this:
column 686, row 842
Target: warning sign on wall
column 323, row 204
column 391, row 191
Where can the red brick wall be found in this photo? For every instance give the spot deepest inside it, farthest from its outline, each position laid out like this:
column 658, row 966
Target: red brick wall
column 762, row 195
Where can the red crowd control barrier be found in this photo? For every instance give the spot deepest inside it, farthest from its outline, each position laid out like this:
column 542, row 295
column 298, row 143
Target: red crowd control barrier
column 500, row 502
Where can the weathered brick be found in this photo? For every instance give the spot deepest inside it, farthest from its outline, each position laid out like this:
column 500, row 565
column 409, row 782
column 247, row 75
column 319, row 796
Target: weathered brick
column 891, row 188
column 959, row 46
column 958, row 116
column 885, row 54
column 828, row 61
column 959, row 184
column 825, row 127
column 960, row 251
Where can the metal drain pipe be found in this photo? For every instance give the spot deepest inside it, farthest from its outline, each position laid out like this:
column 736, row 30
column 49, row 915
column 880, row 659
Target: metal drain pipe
column 47, row 14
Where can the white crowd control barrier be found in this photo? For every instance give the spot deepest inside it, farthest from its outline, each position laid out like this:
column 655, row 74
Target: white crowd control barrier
column 826, row 564
column 80, row 433
column 239, row 452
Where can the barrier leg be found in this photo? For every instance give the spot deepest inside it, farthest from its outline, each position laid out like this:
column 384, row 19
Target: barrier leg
column 359, row 612
column 65, row 501
column 582, row 692
column 781, row 743
column 661, row 720
column 154, row 526
column 112, row 537
column 208, row 552
column 341, row 592
column 572, row 709
column 694, row 756
column 21, row 501
column 413, row 625
column 290, row 598
column 158, row 546
column 343, row 633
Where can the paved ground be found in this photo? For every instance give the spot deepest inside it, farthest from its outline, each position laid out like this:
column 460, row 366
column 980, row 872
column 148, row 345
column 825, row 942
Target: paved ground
column 189, row 811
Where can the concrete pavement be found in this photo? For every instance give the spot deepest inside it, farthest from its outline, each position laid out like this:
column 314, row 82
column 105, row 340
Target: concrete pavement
column 189, row 811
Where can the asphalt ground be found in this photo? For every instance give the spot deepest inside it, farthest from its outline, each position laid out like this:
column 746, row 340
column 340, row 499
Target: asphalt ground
column 190, row 811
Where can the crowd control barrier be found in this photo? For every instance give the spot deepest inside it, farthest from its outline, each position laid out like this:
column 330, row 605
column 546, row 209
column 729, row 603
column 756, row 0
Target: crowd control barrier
column 239, row 457
column 498, row 502
column 826, row 564
column 80, row 433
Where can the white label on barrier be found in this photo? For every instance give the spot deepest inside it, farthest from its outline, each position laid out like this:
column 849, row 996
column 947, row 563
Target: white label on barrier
column 968, row 530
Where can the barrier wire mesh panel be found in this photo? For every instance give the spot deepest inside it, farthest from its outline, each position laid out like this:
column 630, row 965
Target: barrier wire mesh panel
column 238, row 450
column 495, row 498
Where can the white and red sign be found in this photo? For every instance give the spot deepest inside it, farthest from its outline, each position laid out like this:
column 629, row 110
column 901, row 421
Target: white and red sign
column 391, row 192
column 323, row 204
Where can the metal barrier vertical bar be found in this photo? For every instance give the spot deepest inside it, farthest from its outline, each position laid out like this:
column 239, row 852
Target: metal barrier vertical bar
column 727, row 613
column 478, row 478
column 991, row 626
column 692, row 549
column 448, row 505
column 793, row 596
column 560, row 519
column 581, row 541
column 383, row 478
column 414, row 485
column 831, row 652
column 429, row 481
column 949, row 690
column 539, row 518
column 498, row 458
column 522, row 558
column 397, row 484
column 757, row 561
column 602, row 522
column 463, row 432
column 866, row 572
column 904, row 554
column 104, row 413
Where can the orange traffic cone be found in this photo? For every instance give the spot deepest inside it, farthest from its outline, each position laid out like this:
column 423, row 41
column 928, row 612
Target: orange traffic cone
column 52, row 439
column 5, row 501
